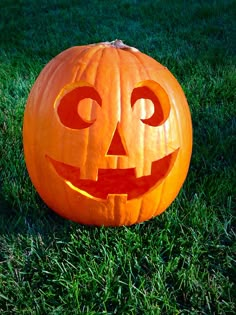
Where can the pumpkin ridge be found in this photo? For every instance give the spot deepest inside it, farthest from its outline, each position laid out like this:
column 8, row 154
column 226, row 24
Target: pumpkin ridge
column 120, row 97
column 90, row 131
column 143, row 134
column 80, row 55
column 58, row 65
column 92, row 49
column 63, row 153
column 139, row 57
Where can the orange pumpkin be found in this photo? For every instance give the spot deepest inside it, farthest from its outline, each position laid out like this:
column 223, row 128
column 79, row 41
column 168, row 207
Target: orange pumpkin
column 107, row 135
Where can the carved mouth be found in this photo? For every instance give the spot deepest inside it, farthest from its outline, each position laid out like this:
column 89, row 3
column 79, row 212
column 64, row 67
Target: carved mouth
column 115, row 181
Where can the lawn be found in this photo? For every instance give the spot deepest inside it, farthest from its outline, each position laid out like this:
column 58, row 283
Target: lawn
column 181, row 262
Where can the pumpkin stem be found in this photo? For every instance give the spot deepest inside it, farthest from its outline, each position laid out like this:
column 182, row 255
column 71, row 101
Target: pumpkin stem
column 117, row 43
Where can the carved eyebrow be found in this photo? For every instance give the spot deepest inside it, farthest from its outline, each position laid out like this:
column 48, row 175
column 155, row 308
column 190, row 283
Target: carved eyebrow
column 153, row 91
column 67, row 108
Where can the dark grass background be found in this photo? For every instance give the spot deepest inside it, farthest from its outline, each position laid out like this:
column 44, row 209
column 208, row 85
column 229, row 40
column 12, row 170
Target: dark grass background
column 182, row 262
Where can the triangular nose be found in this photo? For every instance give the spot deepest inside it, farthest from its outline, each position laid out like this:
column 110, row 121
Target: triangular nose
column 117, row 146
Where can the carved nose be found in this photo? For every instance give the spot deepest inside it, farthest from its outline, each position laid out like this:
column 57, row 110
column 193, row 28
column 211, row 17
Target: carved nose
column 117, row 146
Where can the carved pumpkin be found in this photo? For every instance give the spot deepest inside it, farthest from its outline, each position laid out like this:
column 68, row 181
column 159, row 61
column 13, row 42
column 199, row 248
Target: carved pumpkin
column 107, row 135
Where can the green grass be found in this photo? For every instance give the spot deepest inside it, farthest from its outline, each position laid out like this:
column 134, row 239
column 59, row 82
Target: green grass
column 182, row 262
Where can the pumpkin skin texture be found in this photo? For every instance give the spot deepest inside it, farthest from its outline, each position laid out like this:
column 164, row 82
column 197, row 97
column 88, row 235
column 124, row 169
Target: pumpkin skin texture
column 107, row 135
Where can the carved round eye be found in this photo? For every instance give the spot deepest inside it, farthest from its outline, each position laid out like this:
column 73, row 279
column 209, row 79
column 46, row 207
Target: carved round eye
column 77, row 109
column 147, row 91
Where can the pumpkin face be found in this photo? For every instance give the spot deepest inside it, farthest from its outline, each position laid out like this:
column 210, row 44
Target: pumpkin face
column 107, row 135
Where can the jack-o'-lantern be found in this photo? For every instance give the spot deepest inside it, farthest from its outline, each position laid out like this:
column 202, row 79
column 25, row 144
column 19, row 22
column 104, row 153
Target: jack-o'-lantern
column 107, row 135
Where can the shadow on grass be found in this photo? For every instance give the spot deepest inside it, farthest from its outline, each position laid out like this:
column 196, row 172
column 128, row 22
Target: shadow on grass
column 15, row 220
column 45, row 223
column 5, row 207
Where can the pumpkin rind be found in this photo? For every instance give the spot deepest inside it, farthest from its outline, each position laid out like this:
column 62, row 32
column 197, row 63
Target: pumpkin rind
column 113, row 72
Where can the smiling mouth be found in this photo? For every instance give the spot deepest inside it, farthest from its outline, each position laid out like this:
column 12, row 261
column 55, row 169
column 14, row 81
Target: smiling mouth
column 115, row 181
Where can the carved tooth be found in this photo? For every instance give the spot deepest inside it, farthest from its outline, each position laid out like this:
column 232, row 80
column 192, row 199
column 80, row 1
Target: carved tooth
column 122, row 198
column 89, row 173
column 138, row 172
column 147, row 170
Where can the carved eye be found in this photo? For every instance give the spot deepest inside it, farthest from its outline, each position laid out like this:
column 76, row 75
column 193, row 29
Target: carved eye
column 147, row 91
column 77, row 108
